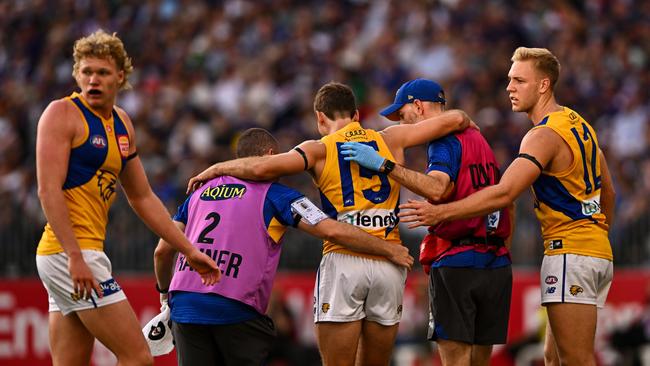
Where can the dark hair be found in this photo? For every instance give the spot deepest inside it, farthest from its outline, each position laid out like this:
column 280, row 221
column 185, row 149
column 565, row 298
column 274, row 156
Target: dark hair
column 335, row 100
column 255, row 142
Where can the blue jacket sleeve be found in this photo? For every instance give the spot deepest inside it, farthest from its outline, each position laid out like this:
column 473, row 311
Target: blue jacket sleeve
column 278, row 204
column 444, row 155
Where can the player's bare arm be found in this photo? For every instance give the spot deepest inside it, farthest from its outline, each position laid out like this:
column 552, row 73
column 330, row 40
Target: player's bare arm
column 58, row 130
column 149, row 208
column 607, row 193
column 163, row 260
column 358, row 240
column 513, row 217
column 539, row 145
column 399, row 137
column 268, row 167
column 433, row 186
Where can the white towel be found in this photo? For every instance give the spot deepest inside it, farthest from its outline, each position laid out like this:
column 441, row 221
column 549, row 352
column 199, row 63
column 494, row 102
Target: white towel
column 158, row 333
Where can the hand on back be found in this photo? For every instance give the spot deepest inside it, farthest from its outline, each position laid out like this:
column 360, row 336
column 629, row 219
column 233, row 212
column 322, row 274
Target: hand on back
column 420, row 213
column 401, row 257
column 362, row 154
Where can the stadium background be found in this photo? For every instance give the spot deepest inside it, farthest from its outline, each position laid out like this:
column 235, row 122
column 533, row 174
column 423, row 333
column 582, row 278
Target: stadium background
column 205, row 70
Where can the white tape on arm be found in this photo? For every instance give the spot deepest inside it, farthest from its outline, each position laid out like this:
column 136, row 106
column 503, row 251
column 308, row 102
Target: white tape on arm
column 309, row 212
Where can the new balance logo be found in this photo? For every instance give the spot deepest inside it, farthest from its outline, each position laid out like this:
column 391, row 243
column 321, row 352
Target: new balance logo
column 555, row 244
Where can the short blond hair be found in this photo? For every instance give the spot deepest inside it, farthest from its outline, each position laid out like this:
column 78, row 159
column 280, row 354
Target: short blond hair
column 106, row 46
column 544, row 61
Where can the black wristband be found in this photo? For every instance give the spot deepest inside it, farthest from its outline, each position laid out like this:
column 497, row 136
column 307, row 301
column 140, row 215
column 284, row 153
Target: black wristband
column 161, row 290
column 388, row 166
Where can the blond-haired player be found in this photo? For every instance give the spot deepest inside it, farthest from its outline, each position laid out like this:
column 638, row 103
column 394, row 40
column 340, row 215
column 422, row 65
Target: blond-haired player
column 84, row 146
column 574, row 202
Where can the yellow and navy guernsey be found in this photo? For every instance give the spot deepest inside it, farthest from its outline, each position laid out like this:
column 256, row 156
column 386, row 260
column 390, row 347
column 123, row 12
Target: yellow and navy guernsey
column 567, row 203
column 93, row 170
column 356, row 195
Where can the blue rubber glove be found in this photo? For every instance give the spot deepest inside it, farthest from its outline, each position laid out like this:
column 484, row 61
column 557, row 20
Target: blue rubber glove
column 363, row 154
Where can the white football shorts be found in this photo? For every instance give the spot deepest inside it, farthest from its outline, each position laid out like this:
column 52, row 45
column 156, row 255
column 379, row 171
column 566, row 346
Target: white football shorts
column 575, row 279
column 350, row 288
column 53, row 270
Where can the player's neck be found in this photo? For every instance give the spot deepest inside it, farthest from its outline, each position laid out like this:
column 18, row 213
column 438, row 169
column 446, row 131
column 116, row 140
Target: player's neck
column 545, row 106
column 105, row 110
column 340, row 123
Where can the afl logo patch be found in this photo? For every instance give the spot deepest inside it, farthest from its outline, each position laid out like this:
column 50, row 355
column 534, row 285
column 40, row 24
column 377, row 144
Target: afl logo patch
column 123, row 142
column 98, row 141
column 550, row 280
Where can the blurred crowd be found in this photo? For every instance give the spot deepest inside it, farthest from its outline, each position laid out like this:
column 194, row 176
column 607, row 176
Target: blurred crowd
column 206, row 70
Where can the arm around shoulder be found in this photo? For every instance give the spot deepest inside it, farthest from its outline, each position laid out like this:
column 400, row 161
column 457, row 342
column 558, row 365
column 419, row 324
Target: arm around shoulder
column 264, row 168
column 403, row 136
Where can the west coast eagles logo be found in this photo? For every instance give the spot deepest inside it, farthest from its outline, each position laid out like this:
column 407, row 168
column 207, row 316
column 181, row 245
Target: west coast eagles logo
column 106, row 183
column 575, row 290
column 325, row 308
